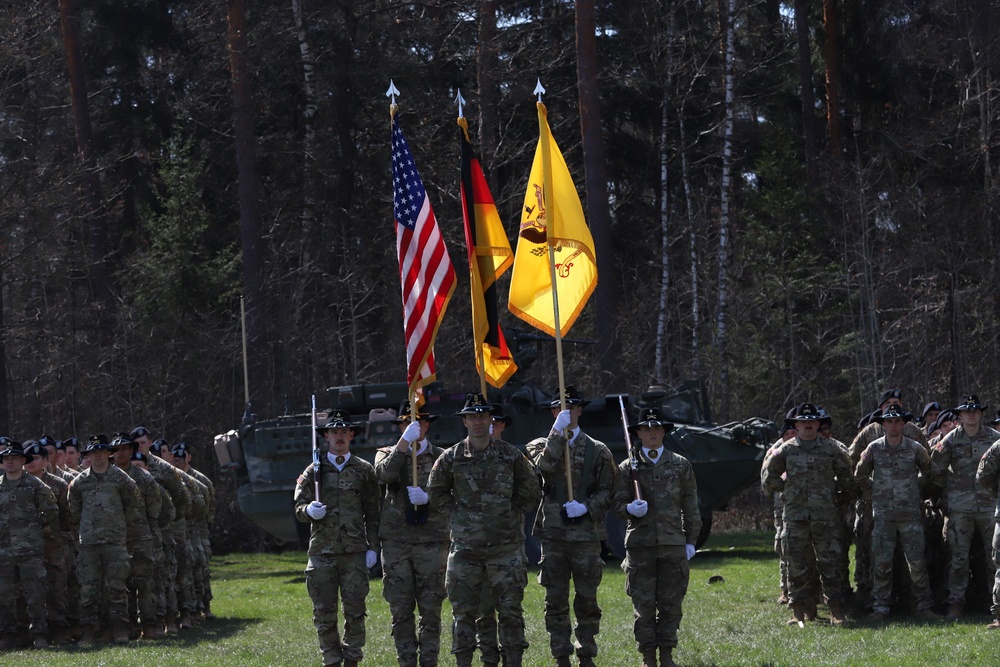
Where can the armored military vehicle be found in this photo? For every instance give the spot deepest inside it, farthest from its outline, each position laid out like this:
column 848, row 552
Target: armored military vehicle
column 267, row 455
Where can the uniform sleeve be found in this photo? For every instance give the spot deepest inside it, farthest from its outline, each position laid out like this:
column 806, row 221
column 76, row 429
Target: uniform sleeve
column 75, row 502
column 131, row 501
column 387, row 465
column 691, row 517
column 304, row 494
column 527, row 490
column 847, row 486
column 941, row 458
column 178, row 491
column 370, row 507
column 860, row 443
column 547, row 453
column 48, row 508
column 924, row 463
column 605, row 477
column 153, row 502
column 441, row 482
column 772, row 470
column 623, row 493
column 987, row 473
column 863, row 471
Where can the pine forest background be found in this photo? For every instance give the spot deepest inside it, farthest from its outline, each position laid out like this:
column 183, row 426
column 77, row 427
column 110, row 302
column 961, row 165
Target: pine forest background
column 792, row 200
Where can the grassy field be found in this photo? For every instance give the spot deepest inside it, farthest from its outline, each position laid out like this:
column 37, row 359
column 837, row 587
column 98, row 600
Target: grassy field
column 264, row 619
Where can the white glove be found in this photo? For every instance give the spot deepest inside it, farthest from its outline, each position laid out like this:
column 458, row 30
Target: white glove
column 316, row 510
column 637, row 508
column 412, row 432
column 370, row 559
column 562, row 421
column 417, row 495
column 575, row 509
column 689, row 551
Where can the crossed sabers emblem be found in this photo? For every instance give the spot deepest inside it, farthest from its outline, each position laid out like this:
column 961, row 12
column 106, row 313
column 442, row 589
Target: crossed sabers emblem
column 534, row 230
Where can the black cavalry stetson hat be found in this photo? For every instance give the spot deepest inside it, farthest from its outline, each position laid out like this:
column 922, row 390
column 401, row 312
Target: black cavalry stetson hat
column 475, row 404
column 499, row 416
column 403, row 416
column 573, row 397
column 96, row 443
column 14, row 448
column 651, row 418
column 338, row 418
column 970, row 402
column 804, row 412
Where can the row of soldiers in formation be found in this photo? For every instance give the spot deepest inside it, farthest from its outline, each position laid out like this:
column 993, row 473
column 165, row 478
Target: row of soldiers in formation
column 451, row 523
column 888, row 492
column 134, row 518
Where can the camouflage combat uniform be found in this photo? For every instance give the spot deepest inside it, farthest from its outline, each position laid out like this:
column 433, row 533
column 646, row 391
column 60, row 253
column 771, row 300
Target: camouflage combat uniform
column 414, row 556
column 987, row 483
column 656, row 566
column 891, row 474
column 169, row 478
column 487, row 492
column 956, row 458
column 189, row 550
column 56, row 557
column 337, row 546
column 572, row 550
column 27, row 505
column 104, row 505
column 863, row 519
column 203, row 534
column 814, row 477
column 166, row 562
column 142, row 538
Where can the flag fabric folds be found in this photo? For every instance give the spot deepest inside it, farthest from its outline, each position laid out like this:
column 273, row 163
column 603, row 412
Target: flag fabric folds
column 489, row 256
column 552, row 214
column 425, row 271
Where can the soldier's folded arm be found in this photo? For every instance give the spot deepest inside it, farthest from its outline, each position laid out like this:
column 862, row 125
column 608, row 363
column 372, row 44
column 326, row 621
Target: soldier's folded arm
column 527, row 491
column 547, row 453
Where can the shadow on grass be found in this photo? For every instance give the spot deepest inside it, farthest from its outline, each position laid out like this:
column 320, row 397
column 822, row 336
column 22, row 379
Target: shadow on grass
column 743, row 553
column 207, row 633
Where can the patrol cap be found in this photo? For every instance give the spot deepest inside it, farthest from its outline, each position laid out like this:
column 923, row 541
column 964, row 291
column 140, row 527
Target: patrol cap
column 889, row 393
column 475, row 404
column 338, row 418
column 651, row 418
column 96, row 443
column 14, row 448
column 32, row 448
column 499, row 416
column 970, row 402
column 403, row 416
column 180, row 449
column 124, row 440
column 573, row 397
column 892, row 412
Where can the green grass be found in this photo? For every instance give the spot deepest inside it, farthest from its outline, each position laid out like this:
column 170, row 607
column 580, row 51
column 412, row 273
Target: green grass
column 265, row 619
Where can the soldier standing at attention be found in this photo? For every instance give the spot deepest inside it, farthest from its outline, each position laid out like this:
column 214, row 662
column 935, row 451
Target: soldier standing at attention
column 863, row 521
column 487, row 485
column 201, row 535
column 414, row 542
column 27, row 505
column 104, row 501
column 956, row 457
column 571, row 528
column 889, row 467
column 55, row 552
column 663, row 526
column 928, row 416
column 343, row 539
column 987, row 483
column 142, row 539
column 813, row 474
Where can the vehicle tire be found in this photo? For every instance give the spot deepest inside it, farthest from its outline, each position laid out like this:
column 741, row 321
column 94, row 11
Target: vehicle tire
column 706, row 529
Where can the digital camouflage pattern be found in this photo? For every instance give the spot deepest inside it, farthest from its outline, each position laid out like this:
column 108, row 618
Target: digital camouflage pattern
column 815, row 480
column 572, row 550
column 987, row 482
column 55, row 555
column 892, row 475
column 655, row 565
column 142, row 539
column 414, row 557
column 487, row 493
column 337, row 546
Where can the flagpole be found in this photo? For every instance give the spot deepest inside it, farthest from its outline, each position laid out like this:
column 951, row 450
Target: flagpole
column 547, row 179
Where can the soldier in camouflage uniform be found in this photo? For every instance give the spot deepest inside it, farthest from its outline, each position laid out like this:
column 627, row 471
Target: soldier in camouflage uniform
column 201, row 536
column 928, row 416
column 889, row 466
column 988, row 484
column 71, row 448
column 168, row 477
column 414, row 542
column 571, row 528
column 27, row 505
column 191, row 553
column 663, row 526
column 967, row 511
column 56, row 550
column 487, row 485
column 787, row 433
column 863, row 521
column 343, row 539
column 104, row 501
column 142, row 538
column 813, row 474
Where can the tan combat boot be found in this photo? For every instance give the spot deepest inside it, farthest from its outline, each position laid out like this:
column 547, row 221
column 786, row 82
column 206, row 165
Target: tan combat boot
column 152, row 631
column 995, row 625
column 186, row 622
column 649, row 659
column 88, row 637
column 837, row 616
column 798, row 616
column 40, row 642
column 954, row 612
column 667, row 657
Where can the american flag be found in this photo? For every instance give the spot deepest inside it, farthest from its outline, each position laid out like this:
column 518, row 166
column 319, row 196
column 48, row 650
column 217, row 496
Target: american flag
column 425, row 270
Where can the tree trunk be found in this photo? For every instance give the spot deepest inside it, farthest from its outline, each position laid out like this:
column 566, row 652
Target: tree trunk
column 5, row 422
column 832, row 76
column 810, row 133
column 308, row 215
column 486, row 59
column 97, row 236
column 661, row 342
column 250, row 224
column 606, row 293
column 724, row 212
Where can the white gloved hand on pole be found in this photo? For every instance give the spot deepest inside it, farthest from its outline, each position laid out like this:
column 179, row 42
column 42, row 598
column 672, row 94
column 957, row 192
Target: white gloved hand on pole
column 412, row 432
column 417, row 495
column 575, row 509
column 316, row 510
column 689, row 551
column 370, row 559
column 562, row 421
column 637, row 508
